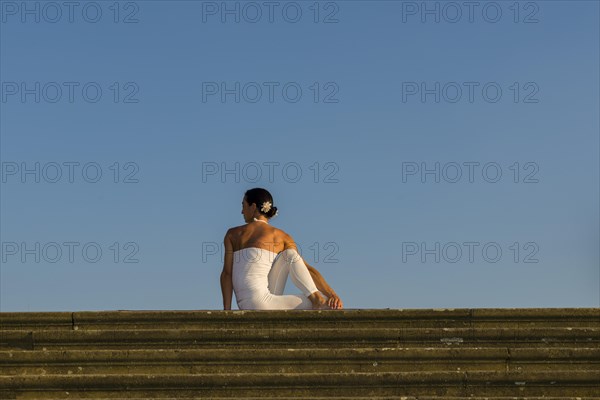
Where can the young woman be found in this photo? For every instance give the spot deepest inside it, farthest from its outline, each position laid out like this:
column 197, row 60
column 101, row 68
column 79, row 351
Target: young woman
column 259, row 258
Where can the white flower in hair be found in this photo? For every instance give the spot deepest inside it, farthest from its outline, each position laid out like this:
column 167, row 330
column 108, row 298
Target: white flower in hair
column 266, row 206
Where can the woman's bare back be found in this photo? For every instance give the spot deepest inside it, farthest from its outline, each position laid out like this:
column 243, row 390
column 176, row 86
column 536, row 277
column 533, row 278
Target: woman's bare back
column 262, row 235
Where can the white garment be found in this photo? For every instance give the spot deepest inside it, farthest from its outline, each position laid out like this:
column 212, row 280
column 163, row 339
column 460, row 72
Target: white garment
column 259, row 277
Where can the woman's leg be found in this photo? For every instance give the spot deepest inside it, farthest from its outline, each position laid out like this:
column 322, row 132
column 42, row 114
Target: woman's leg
column 289, row 262
column 286, row 302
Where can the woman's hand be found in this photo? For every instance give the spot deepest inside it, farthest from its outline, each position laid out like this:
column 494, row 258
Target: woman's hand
column 334, row 302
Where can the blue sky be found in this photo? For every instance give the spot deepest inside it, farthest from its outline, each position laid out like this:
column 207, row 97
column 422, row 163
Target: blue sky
column 418, row 163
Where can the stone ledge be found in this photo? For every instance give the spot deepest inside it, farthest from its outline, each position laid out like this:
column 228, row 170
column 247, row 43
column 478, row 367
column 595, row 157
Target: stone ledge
column 8, row 319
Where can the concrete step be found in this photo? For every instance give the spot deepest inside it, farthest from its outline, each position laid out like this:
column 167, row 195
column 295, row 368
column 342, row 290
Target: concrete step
column 332, row 319
column 176, row 338
column 190, row 396
column 494, row 354
column 77, row 362
column 481, row 383
column 369, row 398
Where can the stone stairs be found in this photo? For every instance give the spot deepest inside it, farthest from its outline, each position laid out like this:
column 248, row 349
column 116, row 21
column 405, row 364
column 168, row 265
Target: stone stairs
column 425, row 354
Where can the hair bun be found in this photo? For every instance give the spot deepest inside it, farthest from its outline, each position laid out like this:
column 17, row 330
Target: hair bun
column 263, row 200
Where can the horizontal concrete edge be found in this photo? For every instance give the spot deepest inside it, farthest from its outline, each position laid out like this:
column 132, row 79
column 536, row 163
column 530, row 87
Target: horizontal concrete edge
column 443, row 336
column 131, row 381
column 191, row 316
column 402, row 354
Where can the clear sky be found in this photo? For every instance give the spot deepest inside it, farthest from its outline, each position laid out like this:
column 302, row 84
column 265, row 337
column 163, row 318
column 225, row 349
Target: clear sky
column 421, row 154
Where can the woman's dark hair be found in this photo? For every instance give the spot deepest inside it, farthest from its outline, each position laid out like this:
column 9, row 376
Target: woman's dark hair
column 258, row 196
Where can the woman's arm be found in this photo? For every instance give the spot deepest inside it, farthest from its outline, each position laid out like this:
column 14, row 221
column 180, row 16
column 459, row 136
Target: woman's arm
column 320, row 282
column 226, row 275
column 333, row 300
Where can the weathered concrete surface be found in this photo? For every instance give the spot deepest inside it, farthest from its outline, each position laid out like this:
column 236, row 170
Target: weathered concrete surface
column 403, row 353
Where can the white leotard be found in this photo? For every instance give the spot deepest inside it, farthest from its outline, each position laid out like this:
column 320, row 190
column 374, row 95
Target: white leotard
column 259, row 277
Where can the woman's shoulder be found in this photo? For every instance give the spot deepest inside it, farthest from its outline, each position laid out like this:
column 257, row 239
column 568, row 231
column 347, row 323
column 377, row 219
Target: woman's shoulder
column 284, row 237
column 240, row 228
column 235, row 231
